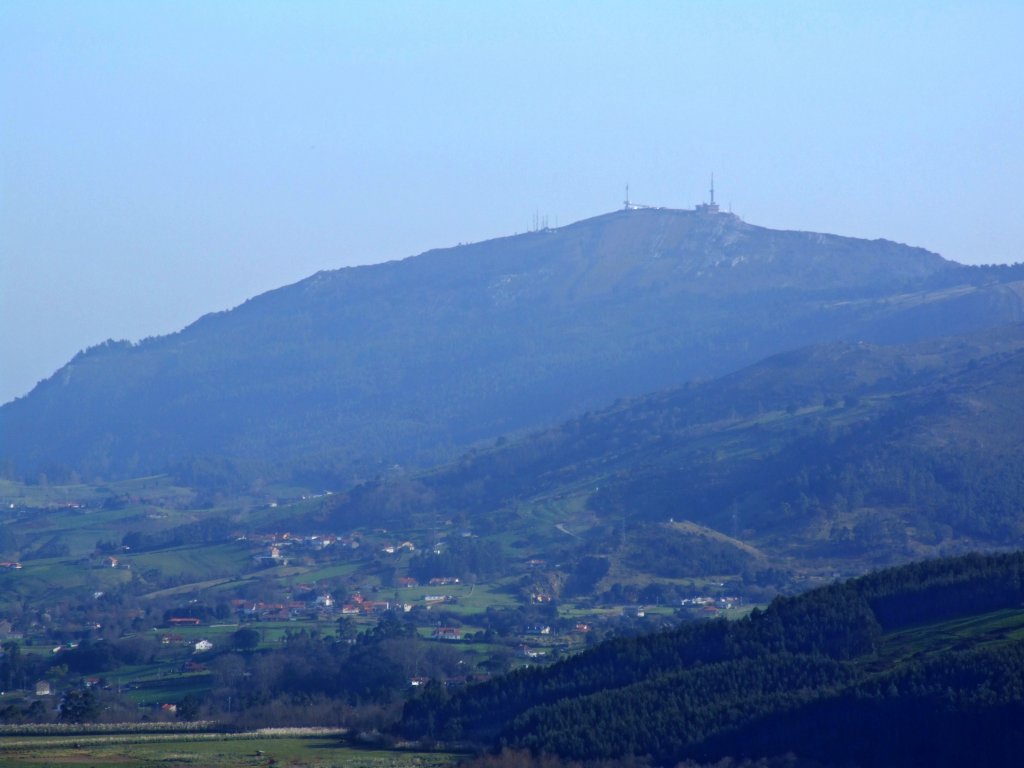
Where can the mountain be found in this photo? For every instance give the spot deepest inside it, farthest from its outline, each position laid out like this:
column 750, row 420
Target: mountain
column 413, row 361
column 844, row 454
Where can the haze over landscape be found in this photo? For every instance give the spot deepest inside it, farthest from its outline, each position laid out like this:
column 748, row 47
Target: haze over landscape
column 165, row 160
column 350, row 416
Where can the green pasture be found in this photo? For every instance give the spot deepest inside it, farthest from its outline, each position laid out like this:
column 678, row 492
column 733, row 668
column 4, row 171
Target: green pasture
column 191, row 561
column 79, row 529
column 49, row 579
column 225, row 584
column 218, row 633
column 127, row 750
column 310, row 574
column 166, row 690
column 468, row 598
column 272, row 633
column 988, row 628
column 155, row 488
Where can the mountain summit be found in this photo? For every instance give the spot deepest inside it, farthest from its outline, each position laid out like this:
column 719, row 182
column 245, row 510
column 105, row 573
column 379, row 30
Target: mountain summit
column 414, row 360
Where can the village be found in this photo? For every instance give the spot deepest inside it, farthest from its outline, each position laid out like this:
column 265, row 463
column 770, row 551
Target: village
column 167, row 606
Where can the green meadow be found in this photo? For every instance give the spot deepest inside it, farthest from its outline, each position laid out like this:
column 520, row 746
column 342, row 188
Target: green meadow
column 296, row 748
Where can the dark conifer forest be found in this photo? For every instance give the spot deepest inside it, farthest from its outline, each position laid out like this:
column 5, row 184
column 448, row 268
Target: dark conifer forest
column 826, row 676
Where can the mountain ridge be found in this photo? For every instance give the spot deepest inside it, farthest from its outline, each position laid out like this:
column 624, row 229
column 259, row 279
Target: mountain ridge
column 845, row 453
column 415, row 360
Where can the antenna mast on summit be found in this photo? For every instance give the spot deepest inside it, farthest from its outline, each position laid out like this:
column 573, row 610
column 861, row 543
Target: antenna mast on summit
column 711, row 206
column 629, row 205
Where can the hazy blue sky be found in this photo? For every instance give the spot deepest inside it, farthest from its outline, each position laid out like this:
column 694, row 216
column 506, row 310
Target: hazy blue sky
column 161, row 160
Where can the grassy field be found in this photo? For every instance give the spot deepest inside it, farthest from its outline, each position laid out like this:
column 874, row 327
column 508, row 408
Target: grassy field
column 184, row 561
column 320, row 573
column 468, row 599
column 983, row 629
column 54, row 578
column 294, row 748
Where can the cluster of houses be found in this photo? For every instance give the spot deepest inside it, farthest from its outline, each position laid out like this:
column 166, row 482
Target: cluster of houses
column 396, row 549
column 198, row 646
column 249, row 610
column 446, row 633
column 528, row 652
column 360, row 606
column 440, row 581
column 432, row 600
column 711, row 604
column 274, row 548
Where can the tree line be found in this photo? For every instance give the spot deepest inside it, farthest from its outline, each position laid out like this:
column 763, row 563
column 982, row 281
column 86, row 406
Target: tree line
column 800, row 676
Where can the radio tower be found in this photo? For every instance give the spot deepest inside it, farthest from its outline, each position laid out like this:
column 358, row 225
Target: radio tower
column 711, row 206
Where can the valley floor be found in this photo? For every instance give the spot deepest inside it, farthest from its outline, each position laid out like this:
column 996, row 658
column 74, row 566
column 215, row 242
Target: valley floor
column 295, row 747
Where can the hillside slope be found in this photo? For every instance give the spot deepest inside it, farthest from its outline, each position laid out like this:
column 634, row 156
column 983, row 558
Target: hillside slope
column 838, row 452
column 414, row 360
column 923, row 664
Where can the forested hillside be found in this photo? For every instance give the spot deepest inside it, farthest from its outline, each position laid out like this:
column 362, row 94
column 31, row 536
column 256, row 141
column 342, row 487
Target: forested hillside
column 350, row 371
column 841, row 452
column 922, row 664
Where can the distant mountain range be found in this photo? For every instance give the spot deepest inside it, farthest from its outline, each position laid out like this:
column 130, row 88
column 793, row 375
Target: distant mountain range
column 415, row 361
